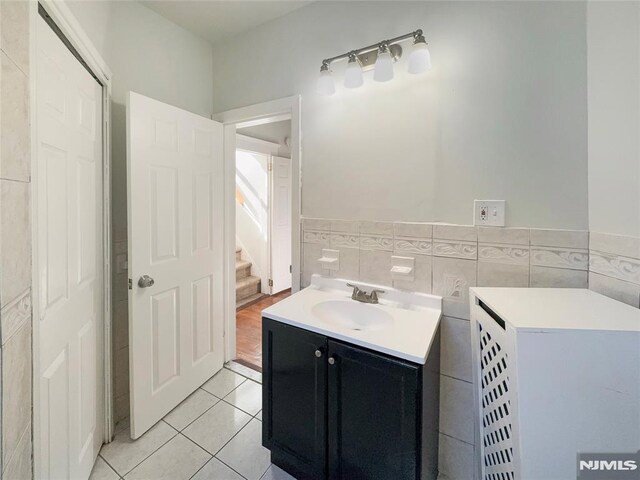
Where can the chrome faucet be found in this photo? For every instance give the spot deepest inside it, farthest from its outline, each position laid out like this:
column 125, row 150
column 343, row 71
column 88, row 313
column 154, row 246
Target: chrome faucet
column 361, row 296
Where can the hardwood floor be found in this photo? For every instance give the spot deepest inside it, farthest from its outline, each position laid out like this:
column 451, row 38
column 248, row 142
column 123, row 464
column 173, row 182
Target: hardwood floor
column 249, row 331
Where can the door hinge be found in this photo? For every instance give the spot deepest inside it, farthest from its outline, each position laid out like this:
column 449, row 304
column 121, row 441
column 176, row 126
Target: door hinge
column 290, row 268
column 270, row 283
column 130, row 284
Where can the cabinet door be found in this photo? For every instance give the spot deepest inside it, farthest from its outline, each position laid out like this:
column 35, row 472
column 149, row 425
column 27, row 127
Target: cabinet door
column 294, row 398
column 373, row 415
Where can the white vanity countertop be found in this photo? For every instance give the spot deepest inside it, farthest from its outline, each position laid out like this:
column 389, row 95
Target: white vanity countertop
column 414, row 317
column 559, row 309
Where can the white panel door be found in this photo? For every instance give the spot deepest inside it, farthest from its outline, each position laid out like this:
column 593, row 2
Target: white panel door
column 175, row 209
column 280, row 224
column 68, row 191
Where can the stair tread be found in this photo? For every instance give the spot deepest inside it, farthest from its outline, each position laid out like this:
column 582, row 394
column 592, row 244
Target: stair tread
column 250, row 280
column 242, row 264
column 243, row 302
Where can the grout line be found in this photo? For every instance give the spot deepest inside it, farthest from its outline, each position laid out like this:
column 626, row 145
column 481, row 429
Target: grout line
column 455, row 378
column 203, row 449
column 229, row 441
column 15, row 180
column 243, row 411
column 454, row 438
column 145, row 458
column 234, row 388
column 18, row 445
column 108, row 465
column 218, row 400
column 205, row 464
column 172, row 427
column 10, row 57
column 220, row 449
column 230, row 467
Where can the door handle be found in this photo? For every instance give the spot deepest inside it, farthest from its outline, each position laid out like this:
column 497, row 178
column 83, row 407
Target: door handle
column 145, row 281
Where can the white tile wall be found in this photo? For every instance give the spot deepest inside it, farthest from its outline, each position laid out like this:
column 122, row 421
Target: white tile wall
column 614, row 266
column 15, row 241
column 451, row 258
column 14, row 111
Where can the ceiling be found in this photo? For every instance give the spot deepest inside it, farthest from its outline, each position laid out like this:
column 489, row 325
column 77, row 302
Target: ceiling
column 216, row 20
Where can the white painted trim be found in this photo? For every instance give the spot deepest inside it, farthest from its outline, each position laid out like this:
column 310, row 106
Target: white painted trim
column 245, row 142
column 70, row 27
column 273, row 111
column 229, row 264
column 64, row 19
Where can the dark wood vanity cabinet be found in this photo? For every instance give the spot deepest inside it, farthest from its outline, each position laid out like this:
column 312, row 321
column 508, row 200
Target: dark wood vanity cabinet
column 294, row 392
column 338, row 411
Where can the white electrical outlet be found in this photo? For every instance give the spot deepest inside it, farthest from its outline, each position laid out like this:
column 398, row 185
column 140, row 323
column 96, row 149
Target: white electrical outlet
column 489, row 212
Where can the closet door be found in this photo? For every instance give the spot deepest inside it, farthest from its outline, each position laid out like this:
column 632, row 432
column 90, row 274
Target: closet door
column 68, row 189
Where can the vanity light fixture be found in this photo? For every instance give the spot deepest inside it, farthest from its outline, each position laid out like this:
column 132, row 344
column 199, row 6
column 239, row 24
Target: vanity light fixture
column 383, row 71
column 325, row 81
column 380, row 56
column 420, row 58
column 353, row 73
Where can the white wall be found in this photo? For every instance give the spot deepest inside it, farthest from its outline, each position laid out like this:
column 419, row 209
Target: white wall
column 252, row 219
column 252, row 178
column 150, row 55
column 502, row 115
column 614, row 117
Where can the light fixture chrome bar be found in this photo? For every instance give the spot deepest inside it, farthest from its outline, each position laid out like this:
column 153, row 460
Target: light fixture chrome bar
column 372, row 47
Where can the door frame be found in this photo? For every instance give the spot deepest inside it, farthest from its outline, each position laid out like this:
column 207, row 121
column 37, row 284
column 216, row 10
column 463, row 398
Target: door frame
column 77, row 38
column 288, row 108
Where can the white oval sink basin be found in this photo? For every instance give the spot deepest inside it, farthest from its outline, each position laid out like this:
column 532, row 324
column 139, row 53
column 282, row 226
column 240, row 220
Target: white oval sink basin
column 352, row 315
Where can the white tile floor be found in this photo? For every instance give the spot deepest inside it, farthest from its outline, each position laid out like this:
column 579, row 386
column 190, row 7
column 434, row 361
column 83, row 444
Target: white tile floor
column 215, row 434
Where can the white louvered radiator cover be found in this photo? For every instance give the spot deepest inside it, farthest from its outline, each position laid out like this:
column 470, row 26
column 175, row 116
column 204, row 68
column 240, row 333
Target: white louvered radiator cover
column 556, row 375
column 496, row 435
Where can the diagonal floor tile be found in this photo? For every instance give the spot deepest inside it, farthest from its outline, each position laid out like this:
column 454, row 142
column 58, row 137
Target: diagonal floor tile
column 259, row 415
column 191, row 408
column 245, row 453
column 102, row 471
column 123, row 454
column 216, row 470
column 276, row 473
column 247, row 397
column 177, row 459
column 216, row 426
column 223, row 382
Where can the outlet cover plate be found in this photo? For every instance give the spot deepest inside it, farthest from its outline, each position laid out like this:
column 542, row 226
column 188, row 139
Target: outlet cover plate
column 489, row 213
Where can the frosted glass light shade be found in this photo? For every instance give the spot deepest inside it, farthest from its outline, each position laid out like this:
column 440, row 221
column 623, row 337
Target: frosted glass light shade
column 353, row 75
column 419, row 59
column 325, row 85
column 383, row 71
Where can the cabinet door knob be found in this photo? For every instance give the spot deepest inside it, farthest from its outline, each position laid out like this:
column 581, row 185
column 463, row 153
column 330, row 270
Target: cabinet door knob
column 332, row 360
column 318, row 353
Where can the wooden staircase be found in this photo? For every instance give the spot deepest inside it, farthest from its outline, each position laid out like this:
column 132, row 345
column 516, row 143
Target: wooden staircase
column 247, row 285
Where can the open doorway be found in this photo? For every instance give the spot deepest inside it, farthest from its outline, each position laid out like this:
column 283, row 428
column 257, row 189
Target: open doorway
column 263, row 230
